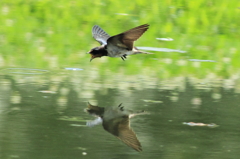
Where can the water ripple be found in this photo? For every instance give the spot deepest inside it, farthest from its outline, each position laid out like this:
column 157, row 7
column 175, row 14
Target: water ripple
column 24, row 71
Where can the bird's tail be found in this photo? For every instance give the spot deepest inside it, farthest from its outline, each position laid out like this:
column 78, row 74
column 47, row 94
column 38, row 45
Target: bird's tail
column 136, row 51
column 144, row 52
column 140, row 112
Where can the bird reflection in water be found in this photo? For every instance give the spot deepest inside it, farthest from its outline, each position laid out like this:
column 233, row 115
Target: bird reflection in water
column 116, row 120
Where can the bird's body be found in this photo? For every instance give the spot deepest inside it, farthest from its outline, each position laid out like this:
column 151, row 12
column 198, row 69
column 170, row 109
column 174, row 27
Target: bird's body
column 120, row 45
column 116, row 121
column 116, row 51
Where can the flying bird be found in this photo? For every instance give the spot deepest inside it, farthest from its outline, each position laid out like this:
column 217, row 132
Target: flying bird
column 119, row 45
column 115, row 120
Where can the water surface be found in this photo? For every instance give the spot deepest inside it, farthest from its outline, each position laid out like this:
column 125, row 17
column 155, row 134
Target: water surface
column 42, row 116
column 190, row 82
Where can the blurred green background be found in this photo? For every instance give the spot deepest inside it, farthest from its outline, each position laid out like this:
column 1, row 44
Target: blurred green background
column 51, row 34
column 39, row 38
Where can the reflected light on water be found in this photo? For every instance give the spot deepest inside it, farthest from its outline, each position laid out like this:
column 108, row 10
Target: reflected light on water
column 52, row 118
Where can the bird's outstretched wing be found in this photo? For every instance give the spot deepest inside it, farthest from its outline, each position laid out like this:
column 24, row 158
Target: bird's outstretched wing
column 100, row 35
column 127, row 38
column 121, row 129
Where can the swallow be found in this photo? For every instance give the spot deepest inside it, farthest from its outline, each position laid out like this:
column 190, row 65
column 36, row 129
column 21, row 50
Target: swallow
column 119, row 45
column 115, row 120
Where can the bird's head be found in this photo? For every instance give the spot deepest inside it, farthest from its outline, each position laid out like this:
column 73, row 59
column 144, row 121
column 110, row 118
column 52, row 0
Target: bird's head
column 97, row 52
column 94, row 110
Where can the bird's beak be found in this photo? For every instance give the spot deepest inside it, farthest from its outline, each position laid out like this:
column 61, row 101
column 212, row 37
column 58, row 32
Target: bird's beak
column 91, row 59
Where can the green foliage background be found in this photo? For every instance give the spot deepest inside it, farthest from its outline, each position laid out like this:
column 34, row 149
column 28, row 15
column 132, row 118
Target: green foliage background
column 55, row 34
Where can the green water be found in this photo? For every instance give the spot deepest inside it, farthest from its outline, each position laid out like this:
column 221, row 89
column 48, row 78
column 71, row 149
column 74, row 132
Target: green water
column 46, row 78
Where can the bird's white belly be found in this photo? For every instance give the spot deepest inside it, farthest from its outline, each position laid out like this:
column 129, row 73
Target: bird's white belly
column 114, row 51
